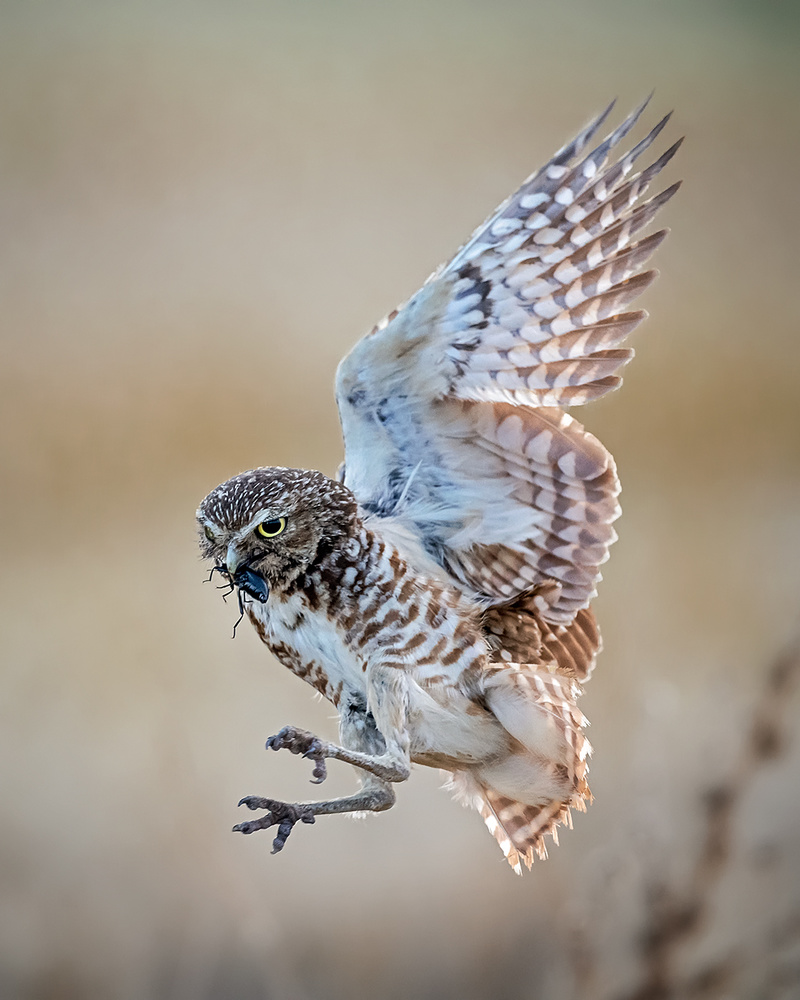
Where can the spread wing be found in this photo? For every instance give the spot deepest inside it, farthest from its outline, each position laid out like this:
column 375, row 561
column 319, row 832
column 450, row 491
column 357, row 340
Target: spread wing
column 452, row 407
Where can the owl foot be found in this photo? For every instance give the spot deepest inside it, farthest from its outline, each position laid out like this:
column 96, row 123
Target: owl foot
column 305, row 743
column 284, row 815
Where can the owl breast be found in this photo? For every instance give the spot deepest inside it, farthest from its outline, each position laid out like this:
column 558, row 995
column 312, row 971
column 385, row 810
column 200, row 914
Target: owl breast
column 311, row 645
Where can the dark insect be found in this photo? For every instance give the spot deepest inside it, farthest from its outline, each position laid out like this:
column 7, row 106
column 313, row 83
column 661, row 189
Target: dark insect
column 244, row 580
column 252, row 584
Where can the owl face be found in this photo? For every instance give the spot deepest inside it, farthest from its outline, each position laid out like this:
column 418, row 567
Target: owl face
column 268, row 526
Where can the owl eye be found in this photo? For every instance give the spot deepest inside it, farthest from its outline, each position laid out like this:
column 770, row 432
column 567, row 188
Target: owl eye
column 209, row 534
column 269, row 529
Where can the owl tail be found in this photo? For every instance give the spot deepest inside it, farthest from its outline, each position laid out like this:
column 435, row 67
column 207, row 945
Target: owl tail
column 517, row 827
column 520, row 829
column 539, row 710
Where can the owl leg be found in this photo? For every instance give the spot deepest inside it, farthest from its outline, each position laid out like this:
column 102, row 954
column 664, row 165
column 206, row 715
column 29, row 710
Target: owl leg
column 388, row 713
column 358, row 730
column 375, row 796
column 389, row 766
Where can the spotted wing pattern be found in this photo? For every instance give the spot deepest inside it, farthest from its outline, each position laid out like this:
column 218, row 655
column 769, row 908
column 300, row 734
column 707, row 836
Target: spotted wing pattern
column 452, row 407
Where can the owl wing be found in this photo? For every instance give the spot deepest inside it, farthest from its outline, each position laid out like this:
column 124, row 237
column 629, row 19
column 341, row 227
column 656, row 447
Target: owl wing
column 452, row 407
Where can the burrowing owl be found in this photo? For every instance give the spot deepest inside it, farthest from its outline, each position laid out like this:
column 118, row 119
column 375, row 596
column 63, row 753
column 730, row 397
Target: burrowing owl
column 439, row 593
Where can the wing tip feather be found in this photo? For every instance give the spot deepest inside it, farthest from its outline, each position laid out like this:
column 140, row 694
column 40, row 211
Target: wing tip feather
column 578, row 143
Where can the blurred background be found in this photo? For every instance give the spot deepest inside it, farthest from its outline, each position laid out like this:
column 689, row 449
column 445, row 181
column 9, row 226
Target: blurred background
column 203, row 205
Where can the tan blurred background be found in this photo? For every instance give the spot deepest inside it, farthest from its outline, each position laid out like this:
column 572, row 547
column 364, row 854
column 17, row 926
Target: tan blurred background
column 203, row 205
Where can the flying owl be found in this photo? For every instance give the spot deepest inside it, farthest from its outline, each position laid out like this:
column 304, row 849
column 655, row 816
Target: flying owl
column 439, row 592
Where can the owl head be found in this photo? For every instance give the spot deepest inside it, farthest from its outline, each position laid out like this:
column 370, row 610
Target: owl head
column 268, row 526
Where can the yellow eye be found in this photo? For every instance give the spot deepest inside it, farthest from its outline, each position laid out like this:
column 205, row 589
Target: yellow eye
column 209, row 533
column 269, row 529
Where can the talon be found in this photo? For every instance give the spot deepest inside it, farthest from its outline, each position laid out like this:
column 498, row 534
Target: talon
column 253, row 802
column 320, row 772
column 252, row 825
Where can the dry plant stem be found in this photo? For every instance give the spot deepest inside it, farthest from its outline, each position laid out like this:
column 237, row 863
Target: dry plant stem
column 673, row 917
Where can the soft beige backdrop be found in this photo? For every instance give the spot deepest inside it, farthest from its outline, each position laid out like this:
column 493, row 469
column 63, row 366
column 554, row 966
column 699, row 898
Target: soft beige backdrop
column 203, row 205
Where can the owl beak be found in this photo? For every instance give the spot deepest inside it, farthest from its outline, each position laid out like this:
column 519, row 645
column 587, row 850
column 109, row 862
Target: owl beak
column 232, row 559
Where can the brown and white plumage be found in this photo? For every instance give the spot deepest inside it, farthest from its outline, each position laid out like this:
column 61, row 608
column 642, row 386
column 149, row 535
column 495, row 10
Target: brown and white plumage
column 440, row 595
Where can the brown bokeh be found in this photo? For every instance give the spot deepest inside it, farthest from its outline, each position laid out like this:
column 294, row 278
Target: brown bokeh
column 203, row 205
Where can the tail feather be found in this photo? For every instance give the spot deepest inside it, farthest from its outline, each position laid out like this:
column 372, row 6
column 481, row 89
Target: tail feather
column 520, row 829
column 538, row 709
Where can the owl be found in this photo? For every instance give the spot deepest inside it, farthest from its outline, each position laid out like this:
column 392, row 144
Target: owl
column 438, row 592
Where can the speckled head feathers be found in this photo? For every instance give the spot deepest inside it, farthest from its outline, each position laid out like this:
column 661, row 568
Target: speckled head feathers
column 233, row 504
column 317, row 512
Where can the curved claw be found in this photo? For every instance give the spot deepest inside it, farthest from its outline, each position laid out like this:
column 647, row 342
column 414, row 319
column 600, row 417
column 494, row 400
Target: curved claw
column 250, row 826
column 320, row 772
column 253, row 802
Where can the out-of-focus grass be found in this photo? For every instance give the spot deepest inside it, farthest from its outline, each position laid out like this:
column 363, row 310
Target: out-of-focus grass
column 202, row 207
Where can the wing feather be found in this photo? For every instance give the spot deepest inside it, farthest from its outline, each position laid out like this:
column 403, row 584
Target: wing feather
column 452, row 407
